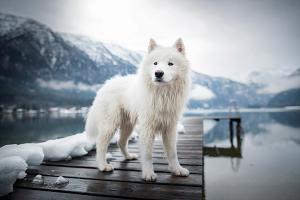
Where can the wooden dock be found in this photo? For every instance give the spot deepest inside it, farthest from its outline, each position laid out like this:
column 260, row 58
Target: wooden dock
column 235, row 118
column 86, row 182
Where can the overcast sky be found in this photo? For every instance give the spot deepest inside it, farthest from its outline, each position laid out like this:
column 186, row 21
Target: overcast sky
column 223, row 37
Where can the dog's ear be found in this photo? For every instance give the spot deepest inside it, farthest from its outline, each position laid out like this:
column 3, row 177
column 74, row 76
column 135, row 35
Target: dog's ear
column 180, row 46
column 152, row 45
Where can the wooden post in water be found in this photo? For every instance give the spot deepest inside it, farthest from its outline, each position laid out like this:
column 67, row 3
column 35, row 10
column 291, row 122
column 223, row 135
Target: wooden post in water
column 238, row 133
column 231, row 132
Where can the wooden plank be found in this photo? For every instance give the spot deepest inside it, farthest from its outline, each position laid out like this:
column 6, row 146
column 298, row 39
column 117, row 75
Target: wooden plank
column 192, row 132
column 116, row 189
column 235, row 118
column 161, row 151
column 29, row 194
column 182, row 145
column 179, row 148
column 191, row 129
column 120, row 166
column 185, row 141
column 192, row 146
column 161, row 155
column 117, row 175
column 179, row 142
column 183, row 161
column 186, row 121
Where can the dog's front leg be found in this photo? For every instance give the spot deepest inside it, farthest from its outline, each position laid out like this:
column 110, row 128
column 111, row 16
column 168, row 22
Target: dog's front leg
column 169, row 140
column 146, row 140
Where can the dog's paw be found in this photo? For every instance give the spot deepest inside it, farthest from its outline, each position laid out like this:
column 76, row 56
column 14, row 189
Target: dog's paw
column 106, row 168
column 180, row 171
column 149, row 176
column 132, row 156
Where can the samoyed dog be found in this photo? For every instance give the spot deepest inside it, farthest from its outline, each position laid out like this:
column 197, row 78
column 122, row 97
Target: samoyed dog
column 153, row 98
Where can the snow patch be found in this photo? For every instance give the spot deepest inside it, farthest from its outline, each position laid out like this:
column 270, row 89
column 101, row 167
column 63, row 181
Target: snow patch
column 200, row 92
column 103, row 52
column 11, row 169
column 9, row 23
column 38, row 179
column 32, row 154
column 125, row 54
column 66, row 148
column 61, row 180
column 180, row 128
column 53, row 61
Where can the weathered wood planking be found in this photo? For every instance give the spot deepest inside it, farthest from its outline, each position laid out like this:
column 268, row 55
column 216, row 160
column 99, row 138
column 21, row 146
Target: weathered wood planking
column 87, row 182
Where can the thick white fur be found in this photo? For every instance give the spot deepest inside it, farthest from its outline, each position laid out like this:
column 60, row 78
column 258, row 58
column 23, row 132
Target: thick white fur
column 156, row 107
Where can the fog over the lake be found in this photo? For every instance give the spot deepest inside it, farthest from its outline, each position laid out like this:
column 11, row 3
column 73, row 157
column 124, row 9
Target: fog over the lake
column 224, row 38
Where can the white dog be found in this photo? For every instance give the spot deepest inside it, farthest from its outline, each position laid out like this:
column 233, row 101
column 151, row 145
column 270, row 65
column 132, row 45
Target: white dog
column 154, row 98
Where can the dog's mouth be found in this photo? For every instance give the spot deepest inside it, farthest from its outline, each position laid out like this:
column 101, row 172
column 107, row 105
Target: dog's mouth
column 160, row 81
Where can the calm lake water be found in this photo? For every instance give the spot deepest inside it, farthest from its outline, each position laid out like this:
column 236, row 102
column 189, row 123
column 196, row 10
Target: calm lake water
column 16, row 129
column 266, row 166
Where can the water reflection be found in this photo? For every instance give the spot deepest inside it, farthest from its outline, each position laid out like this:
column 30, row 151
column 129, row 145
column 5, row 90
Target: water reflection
column 263, row 164
column 291, row 119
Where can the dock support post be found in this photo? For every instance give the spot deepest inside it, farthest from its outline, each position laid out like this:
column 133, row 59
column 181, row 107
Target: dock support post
column 231, row 132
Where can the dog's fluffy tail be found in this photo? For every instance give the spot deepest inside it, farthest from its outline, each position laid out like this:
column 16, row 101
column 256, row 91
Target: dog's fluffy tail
column 91, row 129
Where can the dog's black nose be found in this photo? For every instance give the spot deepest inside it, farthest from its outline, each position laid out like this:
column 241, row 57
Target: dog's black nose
column 159, row 74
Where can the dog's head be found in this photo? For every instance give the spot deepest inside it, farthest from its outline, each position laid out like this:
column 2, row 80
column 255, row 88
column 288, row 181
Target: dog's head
column 165, row 65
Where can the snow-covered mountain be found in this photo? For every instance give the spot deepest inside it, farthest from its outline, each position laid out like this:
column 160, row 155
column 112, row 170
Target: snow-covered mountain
column 225, row 91
column 289, row 97
column 103, row 52
column 40, row 66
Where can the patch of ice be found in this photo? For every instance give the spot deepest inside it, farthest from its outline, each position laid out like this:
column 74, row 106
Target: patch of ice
column 31, row 153
column 61, row 180
column 38, row 179
column 11, row 169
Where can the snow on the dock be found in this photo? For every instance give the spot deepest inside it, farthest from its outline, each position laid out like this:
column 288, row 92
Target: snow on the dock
column 11, row 169
column 61, row 180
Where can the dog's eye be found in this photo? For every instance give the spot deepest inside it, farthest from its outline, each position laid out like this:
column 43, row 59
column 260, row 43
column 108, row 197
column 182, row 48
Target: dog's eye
column 155, row 63
column 170, row 64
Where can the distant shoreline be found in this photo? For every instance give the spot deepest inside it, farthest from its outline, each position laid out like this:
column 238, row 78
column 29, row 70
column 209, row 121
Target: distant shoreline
column 84, row 110
column 243, row 110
